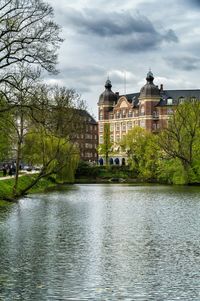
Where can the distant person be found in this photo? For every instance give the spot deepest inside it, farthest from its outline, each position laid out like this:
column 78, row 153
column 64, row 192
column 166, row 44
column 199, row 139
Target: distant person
column 101, row 161
column 10, row 170
column 4, row 170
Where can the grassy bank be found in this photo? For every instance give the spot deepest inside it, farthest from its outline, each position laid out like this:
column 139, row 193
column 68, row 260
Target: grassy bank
column 7, row 185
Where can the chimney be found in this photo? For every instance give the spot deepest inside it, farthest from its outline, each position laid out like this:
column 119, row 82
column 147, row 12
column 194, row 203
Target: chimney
column 161, row 87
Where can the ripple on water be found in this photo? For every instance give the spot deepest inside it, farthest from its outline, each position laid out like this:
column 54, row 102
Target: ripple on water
column 102, row 242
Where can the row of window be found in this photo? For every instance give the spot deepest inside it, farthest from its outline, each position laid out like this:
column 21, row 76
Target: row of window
column 142, row 124
column 86, row 136
column 88, row 155
column 91, row 127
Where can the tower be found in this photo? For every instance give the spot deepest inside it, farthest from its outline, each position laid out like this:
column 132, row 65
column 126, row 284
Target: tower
column 107, row 101
column 148, row 99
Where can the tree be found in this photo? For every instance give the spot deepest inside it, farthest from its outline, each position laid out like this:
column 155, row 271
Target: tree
column 56, row 156
column 49, row 140
column 5, row 134
column 105, row 148
column 18, row 118
column 27, row 34
column 181, row 139
column 143, row 152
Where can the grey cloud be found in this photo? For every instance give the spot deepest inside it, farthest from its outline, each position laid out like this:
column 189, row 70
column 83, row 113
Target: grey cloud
column 170, row 36
column 122, row 30
column 195, row 3
column 186, row 63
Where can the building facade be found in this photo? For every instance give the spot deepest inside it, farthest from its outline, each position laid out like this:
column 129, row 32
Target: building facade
column 87, row 138
column 150, row 109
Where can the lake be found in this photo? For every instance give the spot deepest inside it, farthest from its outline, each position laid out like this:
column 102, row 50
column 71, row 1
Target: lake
column 102, row 242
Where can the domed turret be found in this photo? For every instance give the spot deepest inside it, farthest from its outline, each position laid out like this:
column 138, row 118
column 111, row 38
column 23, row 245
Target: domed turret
column 149, row 89
column 108, row 97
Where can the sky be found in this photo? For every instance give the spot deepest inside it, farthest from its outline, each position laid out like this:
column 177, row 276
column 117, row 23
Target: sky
column 122, row 40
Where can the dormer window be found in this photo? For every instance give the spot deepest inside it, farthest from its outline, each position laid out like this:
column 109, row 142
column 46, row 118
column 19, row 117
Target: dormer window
column 193, row 99
column 181, row 99
column 169, row 101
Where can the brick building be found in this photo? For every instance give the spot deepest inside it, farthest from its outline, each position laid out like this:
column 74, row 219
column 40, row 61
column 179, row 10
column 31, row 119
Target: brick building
column 150, row 109
column 87, row 138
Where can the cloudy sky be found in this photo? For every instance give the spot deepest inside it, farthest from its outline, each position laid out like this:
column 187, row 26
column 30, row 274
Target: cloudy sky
column 123, row 39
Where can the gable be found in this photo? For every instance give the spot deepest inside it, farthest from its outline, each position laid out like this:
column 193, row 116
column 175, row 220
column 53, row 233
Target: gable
column 123, row 104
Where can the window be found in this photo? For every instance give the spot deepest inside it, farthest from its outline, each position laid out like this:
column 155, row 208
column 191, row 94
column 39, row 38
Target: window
column 111, row 138
column 142, row 123
column 130, row 113
column 117, row 126
column 193, row 99
column 181, row 99
column 129, row 125
column 169, row 111
column 100, row 139
column 101, row 115
column 124, row 127
column 118, row 114
column 101, row 127
column 155, row 114
column 111, row 116
column 169, row 101
column 111, row 127
column 124, row 113
column 142, row 110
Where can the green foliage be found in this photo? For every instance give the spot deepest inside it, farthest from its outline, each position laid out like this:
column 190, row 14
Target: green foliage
column 170, row 171
column 55, row 155
column 88, row 172
column 85, row 170
column 105, row 148
column 143, row 152
column 181, row 141
column 24, row 181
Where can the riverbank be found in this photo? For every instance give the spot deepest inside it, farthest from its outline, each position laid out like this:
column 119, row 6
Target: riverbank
column 7, row 185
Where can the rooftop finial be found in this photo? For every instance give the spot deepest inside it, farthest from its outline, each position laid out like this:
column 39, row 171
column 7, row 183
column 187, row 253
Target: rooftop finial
column 150, row 77
column 108, row 84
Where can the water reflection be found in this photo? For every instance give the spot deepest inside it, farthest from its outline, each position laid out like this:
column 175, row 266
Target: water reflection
column 102, row 242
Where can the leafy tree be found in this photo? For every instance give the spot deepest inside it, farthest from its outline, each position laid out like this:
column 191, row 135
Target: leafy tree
column 143, row 152
column 181, row 139
column 54, row 155
column 50, row 141
column 105, row 148
column 18, row 118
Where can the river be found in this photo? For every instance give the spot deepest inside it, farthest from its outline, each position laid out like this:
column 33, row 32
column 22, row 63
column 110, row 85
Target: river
column 102, row 242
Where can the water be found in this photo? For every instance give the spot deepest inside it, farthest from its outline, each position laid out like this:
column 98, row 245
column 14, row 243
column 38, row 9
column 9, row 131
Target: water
column 102, row 242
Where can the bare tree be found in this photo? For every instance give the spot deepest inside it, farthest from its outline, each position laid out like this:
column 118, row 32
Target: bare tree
column 27, row 34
